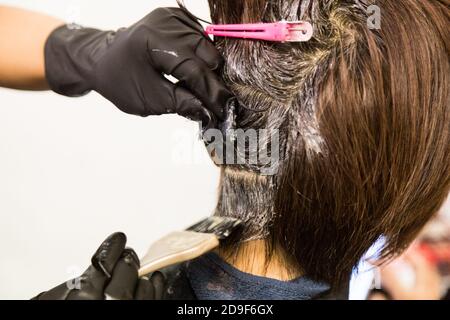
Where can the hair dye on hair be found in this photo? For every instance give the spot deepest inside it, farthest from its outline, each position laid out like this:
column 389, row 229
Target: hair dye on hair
column 364, row 123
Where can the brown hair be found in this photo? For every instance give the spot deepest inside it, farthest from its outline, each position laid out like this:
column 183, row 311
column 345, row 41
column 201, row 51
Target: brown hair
column 364, row 121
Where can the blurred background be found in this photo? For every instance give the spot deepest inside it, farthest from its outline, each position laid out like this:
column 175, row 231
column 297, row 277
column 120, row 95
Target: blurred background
column 75, row 170
column 423, row 271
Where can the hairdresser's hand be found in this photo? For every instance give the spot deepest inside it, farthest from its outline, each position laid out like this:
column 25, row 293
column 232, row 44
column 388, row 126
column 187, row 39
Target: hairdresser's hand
column 113, row 275
column 127, row 67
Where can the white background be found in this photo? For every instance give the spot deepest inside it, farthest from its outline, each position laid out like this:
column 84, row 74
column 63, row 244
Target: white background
column 72, row 171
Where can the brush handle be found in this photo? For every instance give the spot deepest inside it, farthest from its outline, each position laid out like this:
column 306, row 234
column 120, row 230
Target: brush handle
column 177, row 247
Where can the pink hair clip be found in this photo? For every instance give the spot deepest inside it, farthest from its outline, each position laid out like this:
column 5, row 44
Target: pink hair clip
column 283, row 31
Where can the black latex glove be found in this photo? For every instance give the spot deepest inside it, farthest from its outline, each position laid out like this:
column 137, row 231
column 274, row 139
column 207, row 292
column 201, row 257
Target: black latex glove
column 113, row 275
column 127, row 67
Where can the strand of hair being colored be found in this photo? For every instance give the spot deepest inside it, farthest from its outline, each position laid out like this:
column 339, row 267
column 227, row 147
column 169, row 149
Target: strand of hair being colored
column 186, row 10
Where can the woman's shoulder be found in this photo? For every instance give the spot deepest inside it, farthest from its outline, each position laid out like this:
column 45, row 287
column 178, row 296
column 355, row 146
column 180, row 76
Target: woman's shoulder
column 178, row 286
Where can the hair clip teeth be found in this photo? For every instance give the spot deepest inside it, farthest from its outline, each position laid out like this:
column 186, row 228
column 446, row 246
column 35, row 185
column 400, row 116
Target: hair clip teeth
column 299, row 31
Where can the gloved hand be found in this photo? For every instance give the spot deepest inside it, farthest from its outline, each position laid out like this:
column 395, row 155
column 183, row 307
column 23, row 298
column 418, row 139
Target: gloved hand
column 127, row 67
column 113, row 275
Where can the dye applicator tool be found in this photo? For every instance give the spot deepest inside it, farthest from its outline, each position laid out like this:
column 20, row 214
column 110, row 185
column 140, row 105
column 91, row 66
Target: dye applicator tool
column 282, row 31
column 181, row 246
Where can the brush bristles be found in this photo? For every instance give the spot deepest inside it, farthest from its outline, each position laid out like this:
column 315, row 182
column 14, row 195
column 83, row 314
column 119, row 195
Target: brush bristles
column 221, row 227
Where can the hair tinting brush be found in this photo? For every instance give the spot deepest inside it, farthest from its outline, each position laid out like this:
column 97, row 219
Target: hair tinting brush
column 282, row 31
column 181, row 246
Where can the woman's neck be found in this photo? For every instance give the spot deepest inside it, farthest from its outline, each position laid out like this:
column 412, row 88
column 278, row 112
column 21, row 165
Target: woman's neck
column 250, row 197
column 252, row 257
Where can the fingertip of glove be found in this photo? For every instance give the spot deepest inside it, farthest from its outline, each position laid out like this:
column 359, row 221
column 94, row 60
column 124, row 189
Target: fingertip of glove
column 109, row 252
column 130, row 256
